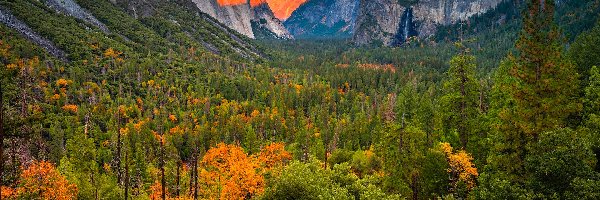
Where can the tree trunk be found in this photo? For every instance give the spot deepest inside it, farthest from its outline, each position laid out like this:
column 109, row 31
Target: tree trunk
column 1, row 137
column 196, row 176
column 126, row 176
column 119, row 178
column 162, row 171
column 178, row 178
column 463, row 106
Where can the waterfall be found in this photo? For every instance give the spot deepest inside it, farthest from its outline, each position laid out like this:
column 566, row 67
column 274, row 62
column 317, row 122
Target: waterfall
column 406, row 27
column 407, row 23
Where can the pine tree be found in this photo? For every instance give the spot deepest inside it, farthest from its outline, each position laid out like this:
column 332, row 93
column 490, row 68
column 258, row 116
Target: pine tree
column 592, row 110
column 542, row 88
column 461, row 98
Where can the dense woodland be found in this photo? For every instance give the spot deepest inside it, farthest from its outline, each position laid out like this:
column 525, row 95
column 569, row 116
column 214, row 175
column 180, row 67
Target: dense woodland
column 510, row 112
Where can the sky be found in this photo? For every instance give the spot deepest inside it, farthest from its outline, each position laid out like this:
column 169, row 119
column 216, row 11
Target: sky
column 281, row 8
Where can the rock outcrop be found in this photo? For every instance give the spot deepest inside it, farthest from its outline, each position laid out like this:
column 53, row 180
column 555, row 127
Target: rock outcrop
column 264, row 20
column 241, row 17
column 391, row 22
column 70, row 7
column 236, row 17
column 324, row 18
column 12, row 22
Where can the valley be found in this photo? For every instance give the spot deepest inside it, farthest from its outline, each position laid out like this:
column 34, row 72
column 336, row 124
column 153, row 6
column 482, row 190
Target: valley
column 316, row 99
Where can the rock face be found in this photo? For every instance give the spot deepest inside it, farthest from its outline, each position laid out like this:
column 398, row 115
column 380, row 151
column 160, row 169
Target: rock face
column 264, row 20
column 391, row 22
column 324, row 18
column 70, row 7
column 236, row 17
column 241, row 18
column 12, row 22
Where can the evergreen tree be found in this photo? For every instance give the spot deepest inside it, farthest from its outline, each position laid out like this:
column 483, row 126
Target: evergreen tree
column 585, row 52
column 462, row 95
column 543, row 88
column 592, row 110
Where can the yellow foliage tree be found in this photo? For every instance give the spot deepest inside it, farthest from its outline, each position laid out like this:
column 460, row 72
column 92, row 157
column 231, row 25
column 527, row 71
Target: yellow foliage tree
column 461, row 168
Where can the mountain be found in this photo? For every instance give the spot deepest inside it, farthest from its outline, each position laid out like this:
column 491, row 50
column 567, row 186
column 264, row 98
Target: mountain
column 241, row 17
column 324, row 18
column 75, row 29
column 266, row 25
column 236, row 17
column 392, row 22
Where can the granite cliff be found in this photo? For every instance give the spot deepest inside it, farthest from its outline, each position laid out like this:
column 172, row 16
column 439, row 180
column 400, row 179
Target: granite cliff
column 324, row 18
column 240, row 17
column 392, row 22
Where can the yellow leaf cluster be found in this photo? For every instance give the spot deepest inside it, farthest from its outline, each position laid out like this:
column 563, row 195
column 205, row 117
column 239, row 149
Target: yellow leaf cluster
column 63, row 82
column 111, row 53
column 461, row 165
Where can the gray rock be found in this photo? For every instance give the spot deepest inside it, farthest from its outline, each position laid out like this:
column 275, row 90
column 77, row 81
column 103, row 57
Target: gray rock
column 70, row 7
column 12, row 22
column 324, row 18
column 265, row 18
column 235, row 17
column 381, row 20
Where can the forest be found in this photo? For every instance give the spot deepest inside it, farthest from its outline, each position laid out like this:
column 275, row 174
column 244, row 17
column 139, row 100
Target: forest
column 146, row 112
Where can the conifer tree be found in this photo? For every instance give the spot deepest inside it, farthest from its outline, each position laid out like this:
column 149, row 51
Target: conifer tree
column 461, row 98
column 542, row 88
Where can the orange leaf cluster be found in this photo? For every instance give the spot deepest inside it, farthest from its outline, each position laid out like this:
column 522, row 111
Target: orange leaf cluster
column 156, row 191
column 124, row 131
column 386, row 67
column 173, row 118
column 41, row 180
column 461, row 166
column 63, row 82
column 70, row 108
column 8, row 193
column 273, row 155
column 230, row 174
column 159, row 137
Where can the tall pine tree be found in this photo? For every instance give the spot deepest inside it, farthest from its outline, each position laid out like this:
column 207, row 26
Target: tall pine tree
column 543, row 86
column 462, row 94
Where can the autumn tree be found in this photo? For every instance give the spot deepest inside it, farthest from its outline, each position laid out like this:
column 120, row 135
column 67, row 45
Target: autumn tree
column 273, row 155
column 41, row 180
column 230, row 174
column 463, row 174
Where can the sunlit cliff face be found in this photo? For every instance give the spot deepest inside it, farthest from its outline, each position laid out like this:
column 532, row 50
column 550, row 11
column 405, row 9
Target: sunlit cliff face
column 284, row 8
column 281, row 8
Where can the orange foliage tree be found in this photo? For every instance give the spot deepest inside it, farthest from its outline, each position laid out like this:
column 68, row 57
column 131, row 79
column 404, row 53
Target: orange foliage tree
column 230, row 174
column 273, row 155
column 41, row 180
column 461, row 168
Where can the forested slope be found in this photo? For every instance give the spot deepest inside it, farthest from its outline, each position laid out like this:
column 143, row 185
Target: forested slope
column 150, row 110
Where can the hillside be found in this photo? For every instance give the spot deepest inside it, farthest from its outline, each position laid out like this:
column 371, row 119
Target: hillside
column 164, row 26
